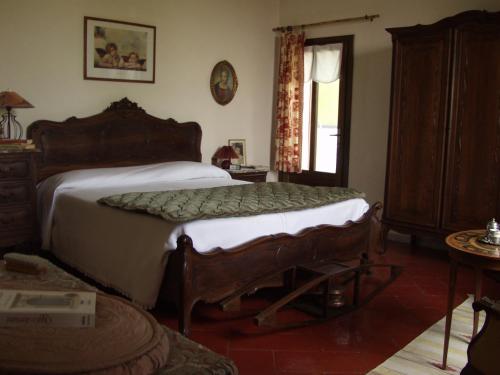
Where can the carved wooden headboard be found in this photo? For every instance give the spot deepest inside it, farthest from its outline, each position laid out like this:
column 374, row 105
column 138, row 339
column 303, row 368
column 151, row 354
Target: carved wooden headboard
column 122, row 135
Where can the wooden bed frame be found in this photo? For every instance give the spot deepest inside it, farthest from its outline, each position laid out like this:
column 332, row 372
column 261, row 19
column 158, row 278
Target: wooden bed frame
column 123, row 135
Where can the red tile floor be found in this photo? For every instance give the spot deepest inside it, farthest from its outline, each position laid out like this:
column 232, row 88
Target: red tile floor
column 351, row 344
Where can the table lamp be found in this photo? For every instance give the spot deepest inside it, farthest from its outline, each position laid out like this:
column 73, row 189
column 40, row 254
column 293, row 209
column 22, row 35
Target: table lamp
column 227, row 153
column 9, row 126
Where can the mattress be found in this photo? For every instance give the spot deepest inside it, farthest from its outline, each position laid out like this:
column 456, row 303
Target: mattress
column 128, row 251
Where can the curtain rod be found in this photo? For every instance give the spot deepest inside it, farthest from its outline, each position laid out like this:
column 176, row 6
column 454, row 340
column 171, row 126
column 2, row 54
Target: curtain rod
column 340, row 20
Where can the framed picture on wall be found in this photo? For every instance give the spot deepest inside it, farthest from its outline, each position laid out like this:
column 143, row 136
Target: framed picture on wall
column 119, row 51
column 240, row 147
column 223, row 82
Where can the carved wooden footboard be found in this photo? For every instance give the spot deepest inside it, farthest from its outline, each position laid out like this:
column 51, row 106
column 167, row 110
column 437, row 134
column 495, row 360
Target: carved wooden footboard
column 193, row 277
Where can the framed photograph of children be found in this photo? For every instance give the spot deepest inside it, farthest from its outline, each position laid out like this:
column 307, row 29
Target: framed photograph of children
column 223, row 82
column 119, row 51
column 240, row 147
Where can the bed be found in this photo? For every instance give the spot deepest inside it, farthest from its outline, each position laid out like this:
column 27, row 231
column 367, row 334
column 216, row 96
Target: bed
column 125, row 149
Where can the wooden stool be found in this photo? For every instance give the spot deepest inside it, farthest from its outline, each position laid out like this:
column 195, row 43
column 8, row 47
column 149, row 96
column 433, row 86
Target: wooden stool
column 330, row 278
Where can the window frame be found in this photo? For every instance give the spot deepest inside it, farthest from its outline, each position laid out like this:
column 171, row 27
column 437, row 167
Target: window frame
column 344, row 121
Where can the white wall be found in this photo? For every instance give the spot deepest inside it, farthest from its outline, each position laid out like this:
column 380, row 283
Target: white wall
column 372, row 67
column 42, row 59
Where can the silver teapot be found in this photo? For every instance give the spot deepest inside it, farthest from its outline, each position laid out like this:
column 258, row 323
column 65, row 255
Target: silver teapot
column 492, row 232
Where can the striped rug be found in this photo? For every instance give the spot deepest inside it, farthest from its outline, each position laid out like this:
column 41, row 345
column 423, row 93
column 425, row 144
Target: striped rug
column 423, row 355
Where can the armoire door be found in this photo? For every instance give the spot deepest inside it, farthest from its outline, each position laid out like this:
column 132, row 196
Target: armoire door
column 420, row 80
column 472, row 188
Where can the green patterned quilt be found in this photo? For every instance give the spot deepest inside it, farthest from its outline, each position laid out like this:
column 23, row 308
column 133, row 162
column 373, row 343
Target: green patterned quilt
column 230, row 201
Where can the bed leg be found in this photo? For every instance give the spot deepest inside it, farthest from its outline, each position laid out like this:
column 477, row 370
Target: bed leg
column 185, row 319
column 291, row 278
column 357, row 283
column 186, row 300
column 377, row 231
column 363, row 261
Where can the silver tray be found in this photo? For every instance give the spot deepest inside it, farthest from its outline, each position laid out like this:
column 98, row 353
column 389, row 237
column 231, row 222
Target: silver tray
column 486, row 240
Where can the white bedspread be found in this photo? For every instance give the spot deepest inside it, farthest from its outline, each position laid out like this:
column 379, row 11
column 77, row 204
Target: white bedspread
column 127, row 251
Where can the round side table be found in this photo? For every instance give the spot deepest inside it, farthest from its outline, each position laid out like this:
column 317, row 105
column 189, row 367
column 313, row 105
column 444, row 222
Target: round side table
column 465, row 247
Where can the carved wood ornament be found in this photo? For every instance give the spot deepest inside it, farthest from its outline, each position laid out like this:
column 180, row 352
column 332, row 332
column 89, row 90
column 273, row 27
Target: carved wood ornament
column 122, row 135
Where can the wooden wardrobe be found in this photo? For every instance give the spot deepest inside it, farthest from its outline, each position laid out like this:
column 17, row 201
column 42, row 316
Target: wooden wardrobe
column 443, row 163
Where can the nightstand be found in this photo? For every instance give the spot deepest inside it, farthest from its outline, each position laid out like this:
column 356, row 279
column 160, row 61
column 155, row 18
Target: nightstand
column 17, row 198
column 252, row 175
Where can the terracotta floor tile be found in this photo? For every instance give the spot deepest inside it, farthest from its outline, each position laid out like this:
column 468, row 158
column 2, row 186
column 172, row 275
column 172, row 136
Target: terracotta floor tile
column 435, row 288
column 319, row 362
column 216, row 343
column 253, row 362
column 280, row 342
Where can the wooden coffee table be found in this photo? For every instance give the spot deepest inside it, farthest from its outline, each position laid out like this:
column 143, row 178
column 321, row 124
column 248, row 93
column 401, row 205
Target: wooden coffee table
column 464, row 247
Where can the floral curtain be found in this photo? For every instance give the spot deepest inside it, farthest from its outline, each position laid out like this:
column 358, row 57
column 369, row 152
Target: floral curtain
column 289, row 104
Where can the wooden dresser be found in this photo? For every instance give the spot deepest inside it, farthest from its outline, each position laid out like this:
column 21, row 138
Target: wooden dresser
column 443, row 165
column 17, row 198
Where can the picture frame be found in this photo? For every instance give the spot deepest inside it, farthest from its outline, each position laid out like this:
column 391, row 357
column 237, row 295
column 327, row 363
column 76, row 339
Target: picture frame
column 119, row 51
column 223, row 82
column 239, row 145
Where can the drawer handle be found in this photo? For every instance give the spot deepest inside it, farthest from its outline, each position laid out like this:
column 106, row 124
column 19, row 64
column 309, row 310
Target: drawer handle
column 5, row 220
column 7, row 195
column 13, row 218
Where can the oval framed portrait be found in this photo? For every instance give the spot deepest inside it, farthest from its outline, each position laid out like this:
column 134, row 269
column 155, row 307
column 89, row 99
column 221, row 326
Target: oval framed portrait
column 223, row 82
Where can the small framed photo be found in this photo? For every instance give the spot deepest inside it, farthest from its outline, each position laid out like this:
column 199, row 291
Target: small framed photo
column 223, row 82
column 240, row 147
column 119, row 51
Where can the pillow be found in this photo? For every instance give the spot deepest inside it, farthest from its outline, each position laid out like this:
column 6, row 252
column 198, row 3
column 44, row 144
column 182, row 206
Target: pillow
column 123, row 176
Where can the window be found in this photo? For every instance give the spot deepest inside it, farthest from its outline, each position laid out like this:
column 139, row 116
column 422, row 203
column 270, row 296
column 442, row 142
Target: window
column 326, row 126
column 326, row 112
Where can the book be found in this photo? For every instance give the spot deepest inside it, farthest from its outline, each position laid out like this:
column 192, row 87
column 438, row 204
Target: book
column 10, row 147
column 36, row 308
column 10, row 141
column 7, row 145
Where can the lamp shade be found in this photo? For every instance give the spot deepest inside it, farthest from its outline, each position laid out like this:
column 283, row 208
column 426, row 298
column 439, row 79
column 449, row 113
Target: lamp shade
column 226, row 152
column 11, row 99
